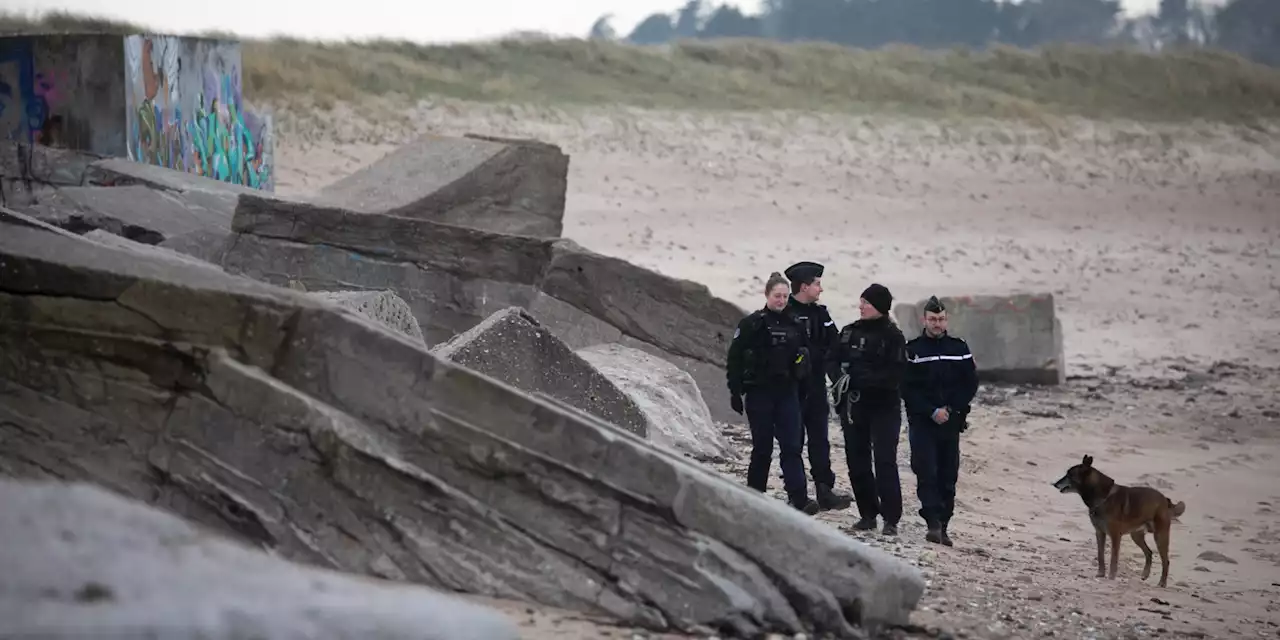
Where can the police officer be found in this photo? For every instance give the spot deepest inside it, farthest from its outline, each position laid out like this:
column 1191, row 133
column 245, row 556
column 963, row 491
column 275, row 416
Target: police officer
column 940, row 382
column 815, row 409
column 870, row 361
column 768, row 358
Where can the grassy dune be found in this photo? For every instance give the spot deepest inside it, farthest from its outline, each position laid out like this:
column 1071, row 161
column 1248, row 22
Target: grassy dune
column 757, row 74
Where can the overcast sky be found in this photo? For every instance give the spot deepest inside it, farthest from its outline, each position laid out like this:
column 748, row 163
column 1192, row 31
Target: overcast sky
column 407, row 19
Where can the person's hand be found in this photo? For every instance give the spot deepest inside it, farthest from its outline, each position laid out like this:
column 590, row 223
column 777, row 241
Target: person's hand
column 941, row 415
column 735, row 401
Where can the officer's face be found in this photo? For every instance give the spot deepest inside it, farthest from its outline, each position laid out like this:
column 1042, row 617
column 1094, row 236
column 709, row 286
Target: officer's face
column 935, row 323
column 813, row 290
column 776, row 299
column 867, row 311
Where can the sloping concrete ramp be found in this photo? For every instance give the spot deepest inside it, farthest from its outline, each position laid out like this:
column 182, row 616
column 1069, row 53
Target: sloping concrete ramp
column 293, row 424
column 82, row 562
column 497, row 184
column 1014, row 339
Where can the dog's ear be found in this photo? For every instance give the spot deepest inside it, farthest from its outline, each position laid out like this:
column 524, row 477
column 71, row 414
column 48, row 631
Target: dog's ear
column 1088, row 461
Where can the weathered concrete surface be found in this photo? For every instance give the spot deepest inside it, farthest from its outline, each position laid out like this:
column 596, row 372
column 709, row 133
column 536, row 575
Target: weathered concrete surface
column 79, row 561
column 289, row 423
column 495, row 184
column 454, row 277
column 667, row 395
column 1015, row 339
column 513, row 347
column 112, row 240
column 135, row 212
column 380, row 306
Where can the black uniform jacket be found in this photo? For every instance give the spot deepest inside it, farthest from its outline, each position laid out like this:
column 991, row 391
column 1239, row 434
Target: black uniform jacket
column 871, row 352
column 768, row 347
column 821, row 331
column 940, row 373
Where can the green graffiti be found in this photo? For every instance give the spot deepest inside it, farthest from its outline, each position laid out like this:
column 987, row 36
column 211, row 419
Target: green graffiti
column 223, row 148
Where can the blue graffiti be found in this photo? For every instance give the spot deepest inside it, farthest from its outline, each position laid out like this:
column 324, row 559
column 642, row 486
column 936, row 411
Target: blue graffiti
column 18, row 51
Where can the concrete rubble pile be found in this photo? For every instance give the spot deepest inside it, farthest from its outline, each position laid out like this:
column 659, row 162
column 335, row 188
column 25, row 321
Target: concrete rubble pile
column 431, row 223
column 287, row 422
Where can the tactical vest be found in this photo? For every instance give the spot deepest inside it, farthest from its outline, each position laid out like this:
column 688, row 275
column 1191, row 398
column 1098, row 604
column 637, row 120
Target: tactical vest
column 778, row 355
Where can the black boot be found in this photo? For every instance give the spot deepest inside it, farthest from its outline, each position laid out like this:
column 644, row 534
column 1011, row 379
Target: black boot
column 809, row 507
column 935, row 533
column 866, row 524
column 831, row 500
column 944, row 538
column 889, row 529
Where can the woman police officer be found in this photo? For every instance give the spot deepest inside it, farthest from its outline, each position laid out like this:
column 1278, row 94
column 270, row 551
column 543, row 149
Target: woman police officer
column 767, row 361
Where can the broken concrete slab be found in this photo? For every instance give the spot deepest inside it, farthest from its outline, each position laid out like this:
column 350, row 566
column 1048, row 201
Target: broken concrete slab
column 667, row 395
column 454, row 277
column 77, row 557
column 505, row 185
column 1014, row 339
column 512, row 346
column 329, row 439
column 135, row 212
column 380, row 306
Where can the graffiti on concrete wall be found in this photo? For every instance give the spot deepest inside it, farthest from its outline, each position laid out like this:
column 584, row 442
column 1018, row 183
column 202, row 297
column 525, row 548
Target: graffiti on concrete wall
column 186, row 110
column 30, row 94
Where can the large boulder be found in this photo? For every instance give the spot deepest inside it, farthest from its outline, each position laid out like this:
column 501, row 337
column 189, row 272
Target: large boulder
column 289, row 423
column 79, row 561
column 513, row 347
column 384, row 307
column 454, row 277
column 1014, row 339
column 676, row 415
column 496, row 184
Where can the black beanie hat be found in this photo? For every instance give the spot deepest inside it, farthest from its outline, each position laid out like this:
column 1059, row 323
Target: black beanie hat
column 879, row 297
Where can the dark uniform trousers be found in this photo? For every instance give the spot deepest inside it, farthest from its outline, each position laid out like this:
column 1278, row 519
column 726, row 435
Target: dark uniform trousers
column 815, row 411
column 774, row 413
column 871, row 448
column 935, row 461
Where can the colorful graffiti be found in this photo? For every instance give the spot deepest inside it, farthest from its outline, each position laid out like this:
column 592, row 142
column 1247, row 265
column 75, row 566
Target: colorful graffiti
column 186, row 111
column 29, row 95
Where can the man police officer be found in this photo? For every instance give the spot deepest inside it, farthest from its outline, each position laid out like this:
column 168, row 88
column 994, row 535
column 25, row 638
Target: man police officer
column 815, row 409
column 938, row 385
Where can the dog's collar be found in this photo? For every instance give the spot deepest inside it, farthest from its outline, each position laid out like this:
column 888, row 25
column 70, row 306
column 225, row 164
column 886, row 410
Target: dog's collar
column 1093, row 511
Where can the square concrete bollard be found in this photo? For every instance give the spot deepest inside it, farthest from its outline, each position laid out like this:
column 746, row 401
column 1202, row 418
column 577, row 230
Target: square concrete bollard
column 1014, row 339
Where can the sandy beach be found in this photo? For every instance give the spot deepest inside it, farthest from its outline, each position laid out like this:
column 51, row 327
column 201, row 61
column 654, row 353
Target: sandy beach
column 1160, row 243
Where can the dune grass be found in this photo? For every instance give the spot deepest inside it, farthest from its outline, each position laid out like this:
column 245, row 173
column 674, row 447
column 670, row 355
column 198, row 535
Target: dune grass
column 756, row 74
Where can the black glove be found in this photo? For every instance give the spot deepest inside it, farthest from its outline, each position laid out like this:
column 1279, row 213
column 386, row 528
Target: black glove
column 735, row 401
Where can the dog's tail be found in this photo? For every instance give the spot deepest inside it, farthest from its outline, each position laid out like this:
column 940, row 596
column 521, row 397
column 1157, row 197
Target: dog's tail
column 1177, row 508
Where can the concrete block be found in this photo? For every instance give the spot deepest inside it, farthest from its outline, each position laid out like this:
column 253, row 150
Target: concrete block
column 383, row 307
column 513, row 347
column 495, row 184
column 1014, row 339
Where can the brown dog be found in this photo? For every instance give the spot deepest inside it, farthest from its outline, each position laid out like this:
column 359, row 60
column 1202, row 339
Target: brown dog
column 1116, row 510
